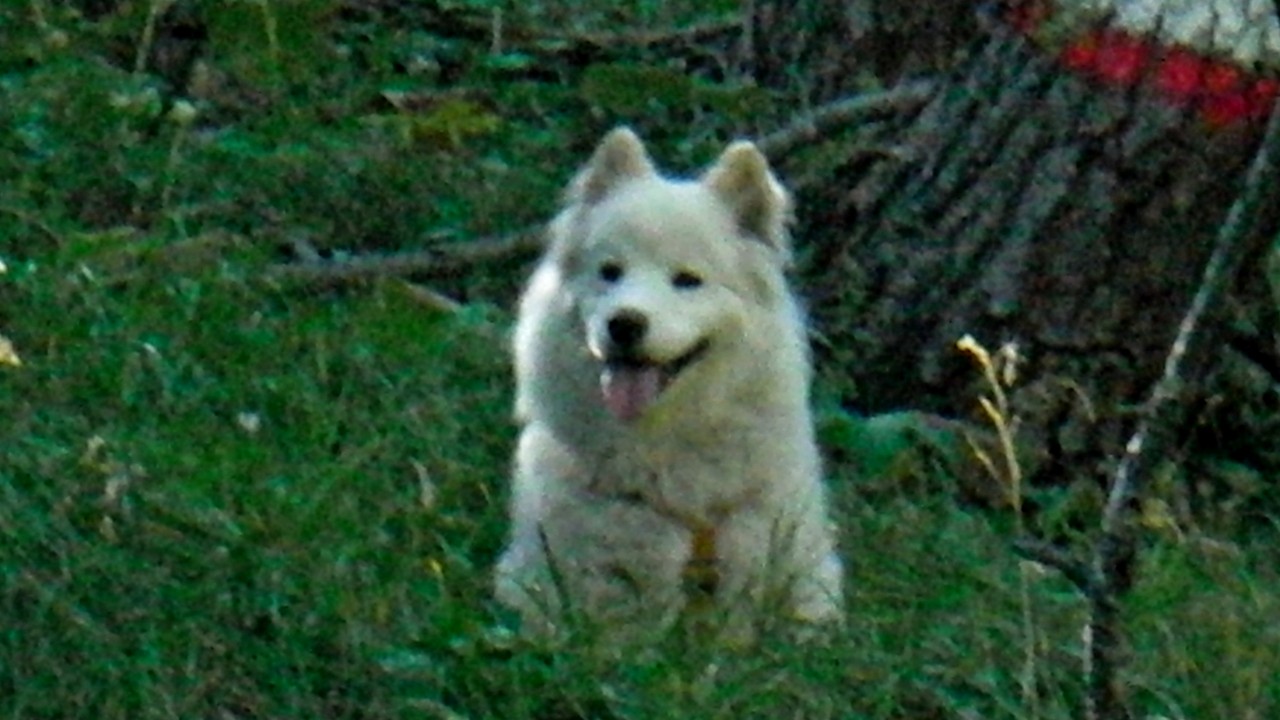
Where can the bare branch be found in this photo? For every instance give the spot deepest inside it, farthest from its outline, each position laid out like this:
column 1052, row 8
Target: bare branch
column 689, row 35
column 451, row 257
column 560, row 41
column 1257, row 351
column 901, row 99
column 1072, row 568
column 1116, row 550
column 431, row 261
column 35, row 222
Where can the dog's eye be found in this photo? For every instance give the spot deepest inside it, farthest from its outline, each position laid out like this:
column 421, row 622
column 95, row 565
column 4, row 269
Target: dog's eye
column 611, row 272
column 686, row 280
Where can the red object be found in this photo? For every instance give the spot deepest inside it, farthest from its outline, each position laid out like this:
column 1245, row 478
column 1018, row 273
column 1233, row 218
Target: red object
column 1121, row 58
column 1081, row 55
column 1228, row 101
column 1221, row 78
column 1180, row 74
column 1221, row 92
column 1225, row 108
column 1262, row 98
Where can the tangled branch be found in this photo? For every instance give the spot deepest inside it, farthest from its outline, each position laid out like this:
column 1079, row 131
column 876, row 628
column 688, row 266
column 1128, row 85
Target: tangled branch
column 1109, row 575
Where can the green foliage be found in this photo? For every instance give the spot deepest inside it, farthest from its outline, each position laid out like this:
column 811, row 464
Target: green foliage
column 628, row 90
column 265, row 42
column 894, row 448
column 631, row 90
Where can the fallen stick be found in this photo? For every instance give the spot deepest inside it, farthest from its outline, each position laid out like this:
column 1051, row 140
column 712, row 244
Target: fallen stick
column 436, row 260
column 447, row 258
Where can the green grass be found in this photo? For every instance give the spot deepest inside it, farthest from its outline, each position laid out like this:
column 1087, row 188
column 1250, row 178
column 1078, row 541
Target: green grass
column 214, row 492
column 223, row 498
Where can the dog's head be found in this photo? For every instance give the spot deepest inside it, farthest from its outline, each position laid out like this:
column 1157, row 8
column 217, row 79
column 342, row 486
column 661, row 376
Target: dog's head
column 665, row 274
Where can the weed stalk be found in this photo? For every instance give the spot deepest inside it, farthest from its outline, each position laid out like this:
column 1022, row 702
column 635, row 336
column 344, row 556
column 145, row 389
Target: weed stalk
column 1000, row 373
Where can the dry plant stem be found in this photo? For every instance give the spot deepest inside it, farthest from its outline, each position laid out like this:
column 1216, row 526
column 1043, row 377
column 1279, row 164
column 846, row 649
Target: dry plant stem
column 528, row 241
column 747, row 43
column 1116, row 549
column 1000, row 415
column 35, row 222
column 495, row 34
column 38, row 16
column 172, row 165
column 269, row 25
column 553, row 39
column 155, row 9
column 1003, row 421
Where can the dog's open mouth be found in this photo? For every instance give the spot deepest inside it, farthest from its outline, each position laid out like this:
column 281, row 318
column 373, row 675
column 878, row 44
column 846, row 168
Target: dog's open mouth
column 630, row 385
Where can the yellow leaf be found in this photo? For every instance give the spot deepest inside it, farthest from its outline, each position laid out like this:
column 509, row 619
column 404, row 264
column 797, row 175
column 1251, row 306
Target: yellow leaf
column 453, row 122
column 8, row 356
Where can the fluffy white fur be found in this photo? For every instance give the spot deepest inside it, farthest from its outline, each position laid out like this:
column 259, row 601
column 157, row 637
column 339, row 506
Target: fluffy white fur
column 702, row 435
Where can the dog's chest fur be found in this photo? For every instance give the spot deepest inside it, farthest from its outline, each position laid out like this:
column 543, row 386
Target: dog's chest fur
column 695, row 482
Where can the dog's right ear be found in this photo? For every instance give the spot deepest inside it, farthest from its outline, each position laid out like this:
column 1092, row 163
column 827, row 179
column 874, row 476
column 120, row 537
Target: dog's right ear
column 619, row 157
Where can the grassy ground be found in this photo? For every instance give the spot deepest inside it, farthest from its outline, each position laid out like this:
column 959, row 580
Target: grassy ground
column 227, row 499
column 223, row 496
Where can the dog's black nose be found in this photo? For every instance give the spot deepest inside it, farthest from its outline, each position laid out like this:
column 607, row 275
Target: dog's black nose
column 627, row 329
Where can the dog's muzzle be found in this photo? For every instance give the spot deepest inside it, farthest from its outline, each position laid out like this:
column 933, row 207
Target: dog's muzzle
column 630, row 381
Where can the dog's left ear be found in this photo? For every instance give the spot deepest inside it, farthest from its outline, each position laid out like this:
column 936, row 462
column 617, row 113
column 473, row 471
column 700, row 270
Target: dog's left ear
column 762, row 207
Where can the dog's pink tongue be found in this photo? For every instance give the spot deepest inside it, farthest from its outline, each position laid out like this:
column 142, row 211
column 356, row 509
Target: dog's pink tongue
column 629, row 390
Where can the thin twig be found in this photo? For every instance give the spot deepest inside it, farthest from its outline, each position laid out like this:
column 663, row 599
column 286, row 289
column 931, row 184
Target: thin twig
column 1074, row 569
column 562, row 41
column 747, row 42
column 1115, row 553
column 1257, row 351
column 430, row 299
column 552, row 41
column 435, row 260
column 448, row 258
column 34, row 222
column 303, row 248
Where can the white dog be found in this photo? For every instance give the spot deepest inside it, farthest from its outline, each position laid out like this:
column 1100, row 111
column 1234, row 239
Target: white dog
column 667, row 453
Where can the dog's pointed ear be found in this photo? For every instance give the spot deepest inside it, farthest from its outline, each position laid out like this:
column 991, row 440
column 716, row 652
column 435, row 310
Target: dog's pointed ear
column 619, row 157
column 761, row 206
